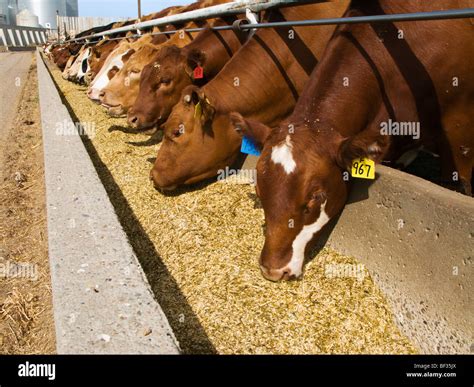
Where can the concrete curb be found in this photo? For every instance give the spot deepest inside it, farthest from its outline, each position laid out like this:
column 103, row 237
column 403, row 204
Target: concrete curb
column 417, row 240
column 102, row 300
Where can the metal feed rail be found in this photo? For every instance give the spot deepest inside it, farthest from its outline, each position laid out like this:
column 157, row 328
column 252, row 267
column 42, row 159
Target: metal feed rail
column 227, row 9
column 416, row 16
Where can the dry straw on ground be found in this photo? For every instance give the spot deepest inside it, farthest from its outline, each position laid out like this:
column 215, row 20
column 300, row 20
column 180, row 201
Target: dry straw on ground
column 26, row 312
column 200, row 250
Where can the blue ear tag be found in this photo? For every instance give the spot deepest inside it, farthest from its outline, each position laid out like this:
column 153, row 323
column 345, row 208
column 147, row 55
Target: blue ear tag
column 249, row 147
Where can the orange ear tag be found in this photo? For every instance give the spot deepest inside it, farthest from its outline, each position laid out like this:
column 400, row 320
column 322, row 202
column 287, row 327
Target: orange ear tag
column 198, row 72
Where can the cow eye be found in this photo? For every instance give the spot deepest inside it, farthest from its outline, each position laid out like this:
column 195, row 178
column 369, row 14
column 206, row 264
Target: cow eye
column 319, row 196
column 177, row 133
column 135, row 71
column 166, row 81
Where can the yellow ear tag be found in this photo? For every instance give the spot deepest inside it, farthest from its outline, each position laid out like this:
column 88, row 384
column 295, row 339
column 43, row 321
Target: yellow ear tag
column 198, row 110
column 363, row 168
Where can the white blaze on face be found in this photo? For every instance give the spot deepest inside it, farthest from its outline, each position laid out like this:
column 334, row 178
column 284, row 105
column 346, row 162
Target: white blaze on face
column 85, row 57
column 75, row 66
column 282, row 154
column 303, row 238
column 102, row 79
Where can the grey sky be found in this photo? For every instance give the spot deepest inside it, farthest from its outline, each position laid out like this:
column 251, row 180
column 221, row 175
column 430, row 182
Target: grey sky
column 125, row 8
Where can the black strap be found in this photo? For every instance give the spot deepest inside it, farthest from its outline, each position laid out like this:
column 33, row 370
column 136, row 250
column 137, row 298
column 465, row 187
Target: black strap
column 279, row 66
column 378, row 76
column 297, row 46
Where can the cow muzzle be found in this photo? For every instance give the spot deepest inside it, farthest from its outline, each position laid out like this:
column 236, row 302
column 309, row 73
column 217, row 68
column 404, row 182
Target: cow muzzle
column 115, row 111
column 275, row 275
column 135, row 120
column 93, row 94
column 159, row 184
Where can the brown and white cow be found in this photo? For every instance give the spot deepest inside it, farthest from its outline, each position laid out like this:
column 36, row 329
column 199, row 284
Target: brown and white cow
column 370, row 74
column 93, row 60
column 74, row 72
column 61, row 54
column 99, row 54
column 69, row 64
column 122, row 52
column 114, row 62
column 121, row 92
column 262, row 81
column 172, row 69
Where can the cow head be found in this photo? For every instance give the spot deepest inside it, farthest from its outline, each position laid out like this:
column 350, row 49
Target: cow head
column 97, row 57
column 111, row 67
column 75, row 73
column 84, row 66
column 62, row 54
column 122, row 90
column 197, row 142
column 301, row 185
column 74, row 48
column 69, row 64
column 94, row 62
column 161, row 84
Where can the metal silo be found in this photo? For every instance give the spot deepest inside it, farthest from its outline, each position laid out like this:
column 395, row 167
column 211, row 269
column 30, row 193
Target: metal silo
column 25, row 18
column 44, row 9
column 3, row 12
column 72, row 8
column 8, row 11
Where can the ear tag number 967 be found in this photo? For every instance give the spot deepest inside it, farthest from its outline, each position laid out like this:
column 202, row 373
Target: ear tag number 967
column 363, row 168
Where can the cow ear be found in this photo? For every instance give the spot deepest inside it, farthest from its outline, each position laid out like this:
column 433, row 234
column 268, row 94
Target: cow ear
column 255, row 130
column 194, row 58
column 203, row 106
column 365, row 144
